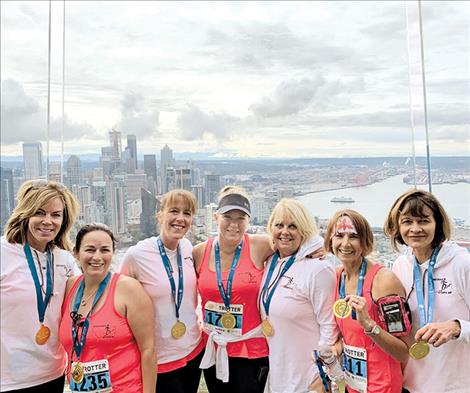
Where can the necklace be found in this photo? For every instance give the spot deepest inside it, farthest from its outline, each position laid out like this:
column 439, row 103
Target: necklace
column 85, row 300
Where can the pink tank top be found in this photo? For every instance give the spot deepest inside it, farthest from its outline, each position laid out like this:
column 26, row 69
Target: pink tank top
column 245, row 288
column 382, row 371
column 109, row 337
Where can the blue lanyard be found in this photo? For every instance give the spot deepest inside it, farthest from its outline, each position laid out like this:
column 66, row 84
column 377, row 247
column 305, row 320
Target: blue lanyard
column 420, row 290
column 226, row 295
column 360, row 283
column 41, row 302
column 266, row 294
column 166, row 263
column 79, row 344
column 323, row 376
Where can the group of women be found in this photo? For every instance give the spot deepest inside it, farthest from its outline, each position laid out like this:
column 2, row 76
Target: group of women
column 276, row 314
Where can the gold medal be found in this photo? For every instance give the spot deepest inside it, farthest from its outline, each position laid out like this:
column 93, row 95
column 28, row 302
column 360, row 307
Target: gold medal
column 267, row 328
column 228, row 321
column 419, row 350
column 43, row 335
column 341, row 309
column 77, row 372
column 178, row 330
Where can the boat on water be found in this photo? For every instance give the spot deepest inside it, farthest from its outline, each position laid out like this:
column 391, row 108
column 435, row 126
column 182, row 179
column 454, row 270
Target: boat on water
column 342, row 199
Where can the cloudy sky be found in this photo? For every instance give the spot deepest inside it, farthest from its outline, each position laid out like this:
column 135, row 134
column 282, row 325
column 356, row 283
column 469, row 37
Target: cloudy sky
column 240, row 79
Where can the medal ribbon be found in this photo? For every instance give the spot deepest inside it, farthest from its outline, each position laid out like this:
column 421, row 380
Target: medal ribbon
column 79, row 344
column 360, row 283
column 266, row 295
column 41, row 302
column 226, row 295
column 166, row 263
column 420, row 289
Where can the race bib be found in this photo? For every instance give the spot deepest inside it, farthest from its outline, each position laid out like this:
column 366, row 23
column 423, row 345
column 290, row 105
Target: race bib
column 214, row 317
column 355, row 368
column 96, row 378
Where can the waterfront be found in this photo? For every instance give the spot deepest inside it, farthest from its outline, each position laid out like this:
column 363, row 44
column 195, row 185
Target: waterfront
column 374, row 201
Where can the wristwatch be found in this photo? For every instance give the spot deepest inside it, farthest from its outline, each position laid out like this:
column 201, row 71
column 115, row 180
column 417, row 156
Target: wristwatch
column 375, row 331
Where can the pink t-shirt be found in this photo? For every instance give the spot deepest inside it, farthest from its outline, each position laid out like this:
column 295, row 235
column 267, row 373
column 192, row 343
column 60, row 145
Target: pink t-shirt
column 109, row 337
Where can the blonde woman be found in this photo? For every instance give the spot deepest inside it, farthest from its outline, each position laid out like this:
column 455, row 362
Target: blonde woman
column 35, row 266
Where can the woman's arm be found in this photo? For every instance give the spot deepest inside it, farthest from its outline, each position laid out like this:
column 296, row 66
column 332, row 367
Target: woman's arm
column 385, row 283
column 198, row 254
column 261, row 248
column 140, row 316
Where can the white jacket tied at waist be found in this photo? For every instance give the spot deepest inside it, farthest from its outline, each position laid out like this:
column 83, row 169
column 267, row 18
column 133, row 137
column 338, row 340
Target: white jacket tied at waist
column 219, row 357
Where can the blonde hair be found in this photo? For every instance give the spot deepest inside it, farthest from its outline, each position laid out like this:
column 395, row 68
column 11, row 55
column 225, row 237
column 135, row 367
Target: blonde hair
column 172, row 197
column 227, row 190
column 301, row 217
column 414, row 202
column 32, row 195
column 362, row 226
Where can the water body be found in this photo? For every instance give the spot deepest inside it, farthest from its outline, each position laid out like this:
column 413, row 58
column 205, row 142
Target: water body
column 375, row 200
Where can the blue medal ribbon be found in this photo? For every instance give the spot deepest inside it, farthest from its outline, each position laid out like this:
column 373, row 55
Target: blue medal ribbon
column 360, row 283
column 42, row 303
column 166, row 263
column 226, row 295
column 323, row 376
column 266, row 294
column 78, row 344
column 420, row 289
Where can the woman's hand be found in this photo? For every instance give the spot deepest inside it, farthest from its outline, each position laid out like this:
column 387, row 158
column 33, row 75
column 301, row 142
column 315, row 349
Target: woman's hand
column 319, row 253
column 359, row 304
column 438, row 333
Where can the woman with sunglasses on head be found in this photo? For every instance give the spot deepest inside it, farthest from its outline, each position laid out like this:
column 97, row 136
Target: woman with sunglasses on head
column 370, row 308
column 164, row 266
column 107, row 325
column 230, row 268
column 35, row 266
column 436, row 277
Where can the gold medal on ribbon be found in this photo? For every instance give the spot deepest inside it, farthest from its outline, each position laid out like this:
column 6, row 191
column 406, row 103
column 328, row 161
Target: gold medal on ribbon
column 77, row 372
column 341, row 309
column 43, row 335
column 178, row 330
column 419, row 350
column 228, row 321
column 267, row 328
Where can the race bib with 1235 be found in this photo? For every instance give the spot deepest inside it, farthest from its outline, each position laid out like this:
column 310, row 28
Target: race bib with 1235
column 96, row 378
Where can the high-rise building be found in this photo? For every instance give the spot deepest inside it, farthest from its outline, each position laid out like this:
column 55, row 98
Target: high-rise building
column 115, row 144
column 83, row 195
column 166, row 160
column 183, row 178
column 134, row 182
column 150, row 169
column 117, row 207
column 211, row 228
column 212, row 186
column 7, row 195
column 32, row 160
column 198, row 192
column 105, row 161
column 150, row 204
column 132, row 146
column 74, row 171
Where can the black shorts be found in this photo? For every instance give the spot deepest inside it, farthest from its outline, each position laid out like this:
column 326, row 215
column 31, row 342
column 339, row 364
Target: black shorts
column 54, row 386
column 246, row 376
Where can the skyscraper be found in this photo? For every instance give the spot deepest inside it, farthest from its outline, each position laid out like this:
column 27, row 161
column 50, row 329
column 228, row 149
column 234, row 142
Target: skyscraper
column 32, row 160
column 7, row 197
column 150, row 169
column 166, row 160
column 150, row 204
column 74, row 171
column 212, row 185
column 132, row 146
column 115, row 144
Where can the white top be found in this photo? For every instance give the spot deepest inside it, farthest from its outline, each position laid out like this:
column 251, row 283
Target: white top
column 144, row 263
column 23, row 362
column 302, row 318
column 445, row 369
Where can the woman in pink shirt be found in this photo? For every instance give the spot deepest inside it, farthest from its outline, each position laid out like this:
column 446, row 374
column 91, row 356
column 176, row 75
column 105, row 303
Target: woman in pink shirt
column 107, row 322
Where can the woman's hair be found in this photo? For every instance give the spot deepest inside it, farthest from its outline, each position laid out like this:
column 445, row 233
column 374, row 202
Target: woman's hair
column 413, row 202
column 301, row 217
column 227, row 190
column 32, row 196
column 171, row 198
column 362, row 226
column 92, row 228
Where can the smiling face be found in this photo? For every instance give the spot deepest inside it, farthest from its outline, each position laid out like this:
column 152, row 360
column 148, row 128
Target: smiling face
column 175, row 221
column 345, row 242
column 45, row 224
column 232, row 225
column 418, row 232
column 286, row 236
column 95, row 253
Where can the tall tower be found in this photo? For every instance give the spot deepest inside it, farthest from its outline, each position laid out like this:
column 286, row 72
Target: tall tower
column 115, row 144
column 212, row 185
column 150, row 169
column 166, row 160
column 32, row 159
column 74, row 170
column 132, row 146
column 7, row 195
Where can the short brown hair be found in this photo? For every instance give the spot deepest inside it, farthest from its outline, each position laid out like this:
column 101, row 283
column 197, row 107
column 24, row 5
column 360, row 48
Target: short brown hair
column 301, row 217
column 413, row 202
column 32, row 195
column 362, row 226
column 172, row 197
column 93, row 227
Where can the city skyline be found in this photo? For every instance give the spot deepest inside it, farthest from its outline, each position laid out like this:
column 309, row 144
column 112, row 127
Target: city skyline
column 270, row 79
